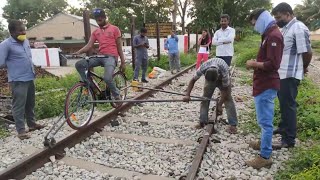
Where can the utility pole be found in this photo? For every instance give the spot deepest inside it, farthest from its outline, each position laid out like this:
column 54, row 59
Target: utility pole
column 132, row 36
column 87, row 29
column 174, row 14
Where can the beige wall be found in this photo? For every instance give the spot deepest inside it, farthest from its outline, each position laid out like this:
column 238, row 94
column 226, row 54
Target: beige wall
column 58, row 27
column 315, row 37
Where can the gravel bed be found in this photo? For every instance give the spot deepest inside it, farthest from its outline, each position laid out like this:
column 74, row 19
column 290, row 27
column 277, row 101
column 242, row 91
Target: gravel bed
column 157, row 130
column 147, row 158
column 59, row 171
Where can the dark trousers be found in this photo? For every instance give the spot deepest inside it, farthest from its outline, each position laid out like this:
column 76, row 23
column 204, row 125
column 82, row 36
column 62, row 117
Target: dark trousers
column 288, row 108
column 23, row 103
column 227, row 59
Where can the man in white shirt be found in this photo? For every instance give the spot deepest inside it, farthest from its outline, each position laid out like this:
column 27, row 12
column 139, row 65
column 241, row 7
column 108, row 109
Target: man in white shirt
column 223, row 39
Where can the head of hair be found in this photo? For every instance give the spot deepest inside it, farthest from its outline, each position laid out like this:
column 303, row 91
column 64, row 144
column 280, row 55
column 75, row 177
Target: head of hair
column 143, row 30
column 211, row 74
column 13, row 25
column 282, row 8
column 255, row 14
column 225, row 16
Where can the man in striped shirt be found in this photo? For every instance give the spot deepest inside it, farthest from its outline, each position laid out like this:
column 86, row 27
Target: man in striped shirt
column 216, row 72
column 296, row 58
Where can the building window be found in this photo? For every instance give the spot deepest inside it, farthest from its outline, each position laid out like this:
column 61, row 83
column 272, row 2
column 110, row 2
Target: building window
column 67, row 38
column 32, row 38
column 49, row 38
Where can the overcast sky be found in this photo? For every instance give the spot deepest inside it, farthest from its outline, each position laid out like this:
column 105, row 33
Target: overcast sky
column 75, row 3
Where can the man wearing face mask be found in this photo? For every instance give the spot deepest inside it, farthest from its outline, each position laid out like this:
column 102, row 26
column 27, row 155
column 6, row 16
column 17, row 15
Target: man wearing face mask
column 172, row 45
column 296, row 58
column 141, row 44
column 266, row 82
column 109, row 39
column 16, row 57
column 223, row 39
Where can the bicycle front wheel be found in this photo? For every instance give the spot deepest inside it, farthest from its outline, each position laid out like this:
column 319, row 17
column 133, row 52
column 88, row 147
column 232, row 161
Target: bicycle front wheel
column 121, row 83
column 78, row 112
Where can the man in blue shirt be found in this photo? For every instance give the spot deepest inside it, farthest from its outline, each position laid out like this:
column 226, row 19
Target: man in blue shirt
column 172, row 46
column 16, row 57
column 141, row 44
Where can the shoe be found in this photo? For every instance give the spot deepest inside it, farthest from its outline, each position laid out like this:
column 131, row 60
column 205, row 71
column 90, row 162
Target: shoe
column 144, row 81
column 199, row 126
column 118, row 104
column 280, row 145
column 255, row 145
column 259, row 162
column 36, row 127
column 23, row 136
column 278, row 131
column 232, row 129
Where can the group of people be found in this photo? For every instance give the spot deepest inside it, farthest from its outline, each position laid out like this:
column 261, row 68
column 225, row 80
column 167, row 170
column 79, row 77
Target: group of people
column 282, row 61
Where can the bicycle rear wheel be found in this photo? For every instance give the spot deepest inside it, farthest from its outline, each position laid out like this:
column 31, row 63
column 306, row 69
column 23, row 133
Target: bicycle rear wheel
column 78, row 112
column 121, row 83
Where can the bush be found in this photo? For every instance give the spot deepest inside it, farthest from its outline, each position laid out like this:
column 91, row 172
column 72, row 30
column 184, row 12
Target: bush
column 305, row 164
column 246, row 49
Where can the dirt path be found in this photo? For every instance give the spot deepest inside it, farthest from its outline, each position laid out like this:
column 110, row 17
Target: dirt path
column 314, row 70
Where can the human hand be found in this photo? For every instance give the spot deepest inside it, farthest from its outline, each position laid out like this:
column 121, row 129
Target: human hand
column 186, row 99
column 250, row 64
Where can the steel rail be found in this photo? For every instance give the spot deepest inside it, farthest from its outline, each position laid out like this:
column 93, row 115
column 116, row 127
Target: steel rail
column 36, row 160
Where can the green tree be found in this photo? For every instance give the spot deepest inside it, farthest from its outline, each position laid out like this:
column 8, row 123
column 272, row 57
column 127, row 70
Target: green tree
column 309, row 13
column 121, row 11
column 206, row 13
column 33, row 11
column 3, row 32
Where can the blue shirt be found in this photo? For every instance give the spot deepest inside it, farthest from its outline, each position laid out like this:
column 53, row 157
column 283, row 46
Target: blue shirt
column 172, row 44
column 141, row 52
column 17, row 58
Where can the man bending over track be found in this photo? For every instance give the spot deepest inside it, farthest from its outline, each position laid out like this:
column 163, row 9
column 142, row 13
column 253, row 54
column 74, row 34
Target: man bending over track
column 216, row 72
column 109, row 39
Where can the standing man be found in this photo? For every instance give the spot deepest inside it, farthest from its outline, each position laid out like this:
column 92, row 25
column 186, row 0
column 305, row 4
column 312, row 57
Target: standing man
column 141, row 43
column 216, row 73
column 109, row 39
column 174, row 58
column 266, row 82
column 223, row 39
column 296, row 58
column 16, row 57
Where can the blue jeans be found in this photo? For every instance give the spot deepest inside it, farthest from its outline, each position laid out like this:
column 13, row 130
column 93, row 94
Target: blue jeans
column 264, row 103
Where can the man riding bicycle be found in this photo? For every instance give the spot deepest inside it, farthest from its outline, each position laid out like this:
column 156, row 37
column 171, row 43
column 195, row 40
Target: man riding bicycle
column 109, row 39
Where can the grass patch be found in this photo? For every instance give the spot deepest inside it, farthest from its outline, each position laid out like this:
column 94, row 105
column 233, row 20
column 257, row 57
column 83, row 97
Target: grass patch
column 304, row 165
column 246, row 49
column 3, row 131
column 316, row 47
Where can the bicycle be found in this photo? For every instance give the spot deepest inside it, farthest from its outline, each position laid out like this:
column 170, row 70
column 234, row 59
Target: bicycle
column 78, row 111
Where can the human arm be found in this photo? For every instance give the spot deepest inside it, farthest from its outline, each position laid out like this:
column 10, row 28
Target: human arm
column 146, row 44
column 272, row 62
column 120, row 52
column 186, row 98
column 88, row 46
column 199, row 73
column 135, row 43
column 225, row 40
column 302, row 38
column 4, row 49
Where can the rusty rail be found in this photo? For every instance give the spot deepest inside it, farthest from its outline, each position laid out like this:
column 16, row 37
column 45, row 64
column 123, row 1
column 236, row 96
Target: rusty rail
column 31, row 163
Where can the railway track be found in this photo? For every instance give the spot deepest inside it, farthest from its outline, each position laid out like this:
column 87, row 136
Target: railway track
column 168, row 142
column 147, row 141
